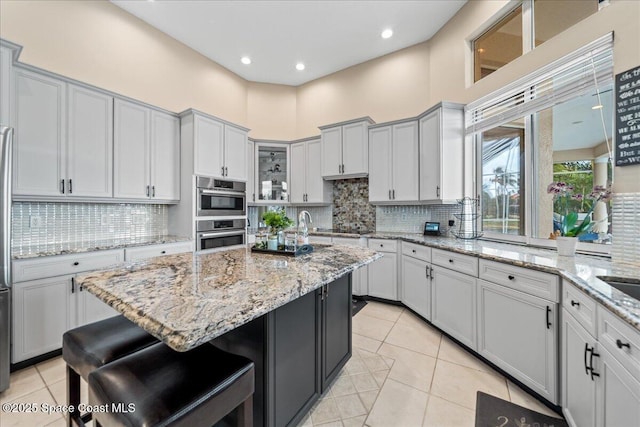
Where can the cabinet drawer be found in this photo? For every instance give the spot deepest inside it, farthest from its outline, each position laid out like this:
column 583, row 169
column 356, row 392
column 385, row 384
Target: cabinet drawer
column 417, row 251
column 383, row 245
column 144, row 252
column 543, row 285
column 51, row 266
column 622, row 341
column 581, row 306
column 461, row 263
column 319, row 239
column 349, row 241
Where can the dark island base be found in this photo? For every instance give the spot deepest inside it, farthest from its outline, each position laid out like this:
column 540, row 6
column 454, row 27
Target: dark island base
column 298, row 350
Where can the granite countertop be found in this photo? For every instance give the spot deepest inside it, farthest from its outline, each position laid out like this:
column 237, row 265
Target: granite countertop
column 65, row 249
column 188, row 299
column 580, row 270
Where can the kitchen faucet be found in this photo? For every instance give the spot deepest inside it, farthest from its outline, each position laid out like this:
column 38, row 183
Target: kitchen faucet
column 303, row 230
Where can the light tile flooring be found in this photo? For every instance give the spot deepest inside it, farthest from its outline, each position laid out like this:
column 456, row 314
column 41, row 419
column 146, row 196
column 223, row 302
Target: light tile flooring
column 402, row 373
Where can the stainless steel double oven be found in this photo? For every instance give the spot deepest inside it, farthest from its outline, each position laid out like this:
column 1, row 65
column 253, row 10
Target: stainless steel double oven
column 221, row 210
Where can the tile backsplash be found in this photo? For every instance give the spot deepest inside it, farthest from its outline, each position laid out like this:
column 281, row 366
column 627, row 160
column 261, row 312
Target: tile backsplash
column 411, row 218
column 351, row 208
column 39, row 226
column 625, row 223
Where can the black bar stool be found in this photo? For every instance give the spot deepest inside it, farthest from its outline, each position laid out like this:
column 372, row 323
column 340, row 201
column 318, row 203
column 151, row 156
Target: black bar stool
column 162, row 387
column 89, row 347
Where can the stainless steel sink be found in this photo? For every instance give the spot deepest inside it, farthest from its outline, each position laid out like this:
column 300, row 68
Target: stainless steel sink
column 628, row 285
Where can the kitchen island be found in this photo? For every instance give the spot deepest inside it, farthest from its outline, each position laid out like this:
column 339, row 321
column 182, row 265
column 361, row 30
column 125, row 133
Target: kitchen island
column 291, row 316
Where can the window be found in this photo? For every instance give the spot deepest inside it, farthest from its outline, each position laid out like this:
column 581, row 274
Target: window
column 510, row 37
column 555, row 124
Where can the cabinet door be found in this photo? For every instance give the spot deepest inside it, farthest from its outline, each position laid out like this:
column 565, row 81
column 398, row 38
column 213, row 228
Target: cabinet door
column 235, row 153
column 208, row 147
column 336, row 329
column 251, row 171
column 617, row 394
column 578, row 389
column 90, row 309
column 165, row 156
column 355, row 149
column 383, row 277
column 380, row 164
column 430, row 138
column 510, row 321
column 416, row 286
column 331, row 151
column 43, row 310
column 131, row 148
column 453, row 304
column 318, row 190
column 90, row 143
column 6, row 61
column 298, row 172
column 405, row 162
column 38, row 166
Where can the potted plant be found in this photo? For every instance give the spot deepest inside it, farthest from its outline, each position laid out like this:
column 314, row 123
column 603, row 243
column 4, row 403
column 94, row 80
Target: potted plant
column 568, row 226
column 277, row 220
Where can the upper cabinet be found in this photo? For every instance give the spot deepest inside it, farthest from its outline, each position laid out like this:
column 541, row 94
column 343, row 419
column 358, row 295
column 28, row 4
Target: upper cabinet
column 251, row 171
column 147, row 153
column 307, row 185
column 442, row 140
column 345, row 149
column 272, row 171
column 63, row 139
column 219, row 148
column 393, row 163
column 6, row 66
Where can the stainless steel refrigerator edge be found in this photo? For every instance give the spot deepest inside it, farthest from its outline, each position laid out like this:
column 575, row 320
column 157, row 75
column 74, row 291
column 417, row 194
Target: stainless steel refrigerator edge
column 6, row 135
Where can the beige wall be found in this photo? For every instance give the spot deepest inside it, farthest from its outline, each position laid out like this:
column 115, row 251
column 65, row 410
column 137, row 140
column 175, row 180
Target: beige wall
column 97, row 42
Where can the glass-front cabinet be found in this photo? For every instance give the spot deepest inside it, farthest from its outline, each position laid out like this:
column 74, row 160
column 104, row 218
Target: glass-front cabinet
column 272, row 173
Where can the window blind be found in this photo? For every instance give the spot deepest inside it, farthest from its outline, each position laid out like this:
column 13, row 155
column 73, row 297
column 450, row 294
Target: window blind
column 585, row 69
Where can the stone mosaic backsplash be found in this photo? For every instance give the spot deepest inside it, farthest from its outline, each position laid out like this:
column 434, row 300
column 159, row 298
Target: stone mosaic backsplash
column 625, row 223
column 411, row 218
column 39, row 226
column 351, row 208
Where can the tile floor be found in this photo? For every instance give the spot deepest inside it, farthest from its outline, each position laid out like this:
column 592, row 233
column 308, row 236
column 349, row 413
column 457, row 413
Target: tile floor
column 402, row 373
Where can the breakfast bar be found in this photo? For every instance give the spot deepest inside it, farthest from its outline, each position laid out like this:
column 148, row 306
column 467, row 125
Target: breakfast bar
column 290, row 315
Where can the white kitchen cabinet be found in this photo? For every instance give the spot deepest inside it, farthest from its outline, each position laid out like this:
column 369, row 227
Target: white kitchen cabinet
column 393, row 163
column 251, row 171
column 442, row 153
column 151, row 251
column 89, row 156
column 345, row 149
column 416, row 285
column 383, row 273
column 147, row 153
column 40, row 135
column 6, row 67
column 617, row 394
column 307, row 185
column 518, row 332
column 360, row 277
column 90, row 308
column 453, row 304
column 220, row 149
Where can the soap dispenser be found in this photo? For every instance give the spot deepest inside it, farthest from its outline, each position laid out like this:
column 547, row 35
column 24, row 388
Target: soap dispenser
column 303, row 229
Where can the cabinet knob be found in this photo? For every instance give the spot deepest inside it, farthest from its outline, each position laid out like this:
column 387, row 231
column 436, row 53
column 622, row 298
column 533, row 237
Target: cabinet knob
column 511, row 277
column 76, row 263
column 451, row 261
column 620, row 344
column 163, row 252
column 381, row 245
column 574, row 303
column 413, row 250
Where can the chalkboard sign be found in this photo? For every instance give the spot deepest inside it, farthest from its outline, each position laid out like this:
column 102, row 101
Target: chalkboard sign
column 628, row 117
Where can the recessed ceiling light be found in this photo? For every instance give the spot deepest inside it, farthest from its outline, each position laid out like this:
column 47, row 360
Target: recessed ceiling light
column 481, row 50
column 596, row 107
column 386, row 33
column 245, row 60
column 299, row 66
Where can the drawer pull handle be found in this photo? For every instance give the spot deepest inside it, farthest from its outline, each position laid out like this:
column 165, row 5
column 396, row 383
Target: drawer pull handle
column 548, row 317
column 620, row 344
column 574, row 303
column 413, row 250
column 511, row 277
column 381, row 245
column 450, row 260
column 163, row 252
column 76, row 263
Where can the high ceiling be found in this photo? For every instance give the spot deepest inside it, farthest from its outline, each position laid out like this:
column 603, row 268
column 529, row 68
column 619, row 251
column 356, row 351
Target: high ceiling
column 327, row 36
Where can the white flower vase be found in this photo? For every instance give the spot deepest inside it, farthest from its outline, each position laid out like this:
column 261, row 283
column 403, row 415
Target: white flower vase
column 566, row 245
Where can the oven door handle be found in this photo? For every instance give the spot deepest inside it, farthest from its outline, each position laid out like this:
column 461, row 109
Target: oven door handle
column 228, row 233
column 221, row 192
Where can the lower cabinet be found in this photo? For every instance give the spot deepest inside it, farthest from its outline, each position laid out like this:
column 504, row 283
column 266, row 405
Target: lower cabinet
column 91, row 309
column 336, row 320
column 617, row 394
column 416, row 285
column 518, row 332
column 383, row 273
column 453, row 304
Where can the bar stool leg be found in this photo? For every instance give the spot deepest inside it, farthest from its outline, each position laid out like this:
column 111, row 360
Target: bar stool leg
column 73, row 397
column 245, row 413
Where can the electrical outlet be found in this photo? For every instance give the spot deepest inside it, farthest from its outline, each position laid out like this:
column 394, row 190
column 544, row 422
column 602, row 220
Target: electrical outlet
column 105, row 219
column 35, row 221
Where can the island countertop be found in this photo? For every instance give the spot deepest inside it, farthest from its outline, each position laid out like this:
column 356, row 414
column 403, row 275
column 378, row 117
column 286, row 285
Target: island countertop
column 188, row 299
